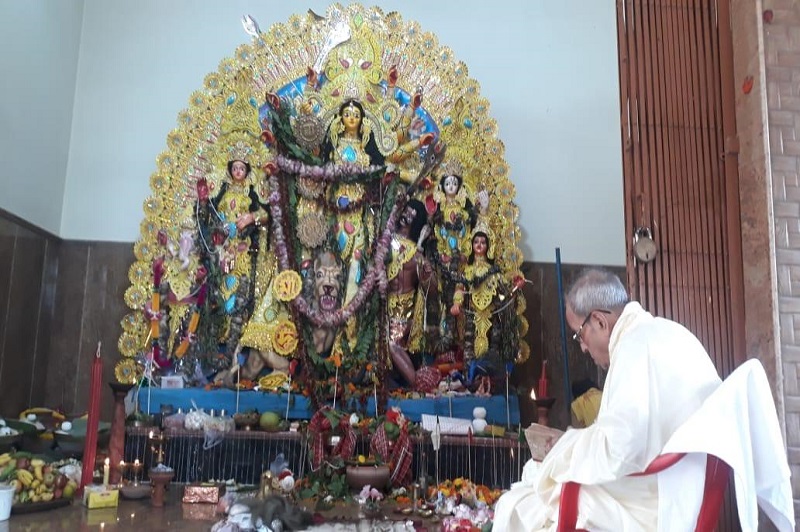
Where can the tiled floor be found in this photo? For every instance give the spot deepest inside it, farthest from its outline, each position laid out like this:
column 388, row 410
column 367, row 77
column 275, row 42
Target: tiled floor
column 129, row 515
column 140, row 516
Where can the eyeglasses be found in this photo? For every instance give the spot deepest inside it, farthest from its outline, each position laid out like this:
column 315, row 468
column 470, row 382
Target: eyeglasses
column 577, row 336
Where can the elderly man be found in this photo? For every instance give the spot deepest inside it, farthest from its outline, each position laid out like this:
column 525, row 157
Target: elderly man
column 658, row 375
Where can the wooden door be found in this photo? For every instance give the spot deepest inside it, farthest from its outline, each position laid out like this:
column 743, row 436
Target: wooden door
column 680, row 167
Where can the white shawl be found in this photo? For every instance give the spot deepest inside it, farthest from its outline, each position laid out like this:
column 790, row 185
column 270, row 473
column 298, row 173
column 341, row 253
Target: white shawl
column 738, row 424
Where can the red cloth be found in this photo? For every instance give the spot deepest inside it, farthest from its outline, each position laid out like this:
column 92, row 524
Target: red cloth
column 402, row 456
column 379, row 445
column 428, row 379
column 398, row 454
column 347, row 443
column 318, row 427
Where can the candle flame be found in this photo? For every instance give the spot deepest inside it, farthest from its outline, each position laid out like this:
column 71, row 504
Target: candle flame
column 533, row 393
column 107, row 461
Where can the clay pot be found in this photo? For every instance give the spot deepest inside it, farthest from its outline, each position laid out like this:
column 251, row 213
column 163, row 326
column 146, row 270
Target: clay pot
column 376, row 476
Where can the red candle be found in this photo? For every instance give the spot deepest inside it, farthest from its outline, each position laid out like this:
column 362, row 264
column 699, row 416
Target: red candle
column 90, row 445
column 542, row 393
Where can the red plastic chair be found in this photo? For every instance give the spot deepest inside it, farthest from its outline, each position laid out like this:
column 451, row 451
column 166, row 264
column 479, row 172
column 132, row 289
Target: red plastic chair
column 717, row 476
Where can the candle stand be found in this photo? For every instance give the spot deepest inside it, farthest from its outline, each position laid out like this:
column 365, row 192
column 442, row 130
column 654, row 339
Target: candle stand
column 157, row 440
column 131, row 489
column 543, row 407
column 159, row 478
column 136, row 469
column 116, row 444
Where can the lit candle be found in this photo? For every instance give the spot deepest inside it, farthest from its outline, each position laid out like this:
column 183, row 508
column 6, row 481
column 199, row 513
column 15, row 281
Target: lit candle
column 136, row 462
column 151, row 436
column 106, row 470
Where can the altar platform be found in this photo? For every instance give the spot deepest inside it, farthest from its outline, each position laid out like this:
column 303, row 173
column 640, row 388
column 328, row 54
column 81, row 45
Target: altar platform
column 498, row 410
column 243, row 455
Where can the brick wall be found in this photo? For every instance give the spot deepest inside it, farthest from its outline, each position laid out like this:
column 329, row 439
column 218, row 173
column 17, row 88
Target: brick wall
column 782, row 61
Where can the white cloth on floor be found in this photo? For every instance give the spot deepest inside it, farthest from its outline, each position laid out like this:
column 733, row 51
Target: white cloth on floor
column 738, row 424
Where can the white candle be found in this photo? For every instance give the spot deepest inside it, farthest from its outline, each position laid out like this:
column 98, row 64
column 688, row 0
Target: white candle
column 106, row 470
column 149, row 384
column 238, row 376
column 335, row 385
column 288, row 397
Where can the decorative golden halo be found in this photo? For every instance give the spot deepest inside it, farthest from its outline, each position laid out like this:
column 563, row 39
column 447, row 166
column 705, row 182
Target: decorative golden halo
column 143, row 251
column 132, row 322
column 284, row 339
column 135, row 297
column 287, row 285
column 139, row 272
column 128, row 344
column 127, row 371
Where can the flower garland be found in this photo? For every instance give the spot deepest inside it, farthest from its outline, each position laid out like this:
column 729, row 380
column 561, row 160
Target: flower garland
column 329, row 172
column 376, row 275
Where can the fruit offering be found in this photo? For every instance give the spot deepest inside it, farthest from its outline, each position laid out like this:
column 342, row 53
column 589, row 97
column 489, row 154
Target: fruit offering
column 33, row 479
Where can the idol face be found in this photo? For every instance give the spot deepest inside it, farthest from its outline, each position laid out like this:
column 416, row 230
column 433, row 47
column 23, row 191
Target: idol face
column 451, row 185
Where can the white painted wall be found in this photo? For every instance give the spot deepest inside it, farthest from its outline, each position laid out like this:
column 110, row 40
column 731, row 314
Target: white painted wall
column 548, row 68
column 39, row 45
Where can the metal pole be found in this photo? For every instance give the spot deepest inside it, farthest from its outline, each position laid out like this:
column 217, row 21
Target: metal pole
column 563, row 319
